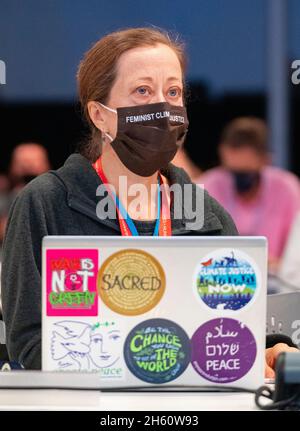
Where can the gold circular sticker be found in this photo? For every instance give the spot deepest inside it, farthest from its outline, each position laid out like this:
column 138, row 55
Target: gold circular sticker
column 131, row 282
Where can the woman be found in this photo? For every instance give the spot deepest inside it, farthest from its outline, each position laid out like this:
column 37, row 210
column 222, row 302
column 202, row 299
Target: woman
column 131, row 87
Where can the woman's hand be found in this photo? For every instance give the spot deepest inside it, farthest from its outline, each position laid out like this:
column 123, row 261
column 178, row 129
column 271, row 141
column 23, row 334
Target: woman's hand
column 272, row 355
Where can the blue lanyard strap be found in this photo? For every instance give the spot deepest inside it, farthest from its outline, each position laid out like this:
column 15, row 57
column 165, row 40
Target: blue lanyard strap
column 128, row 219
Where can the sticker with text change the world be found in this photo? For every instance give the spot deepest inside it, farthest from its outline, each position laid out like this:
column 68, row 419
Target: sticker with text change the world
column 157, row 351
column 226, row 280
column 223, row 350
column 71, row 282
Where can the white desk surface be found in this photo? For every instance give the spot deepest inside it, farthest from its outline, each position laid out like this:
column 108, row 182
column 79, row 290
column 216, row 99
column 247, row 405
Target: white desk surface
column 61, row 399
column 16, row 395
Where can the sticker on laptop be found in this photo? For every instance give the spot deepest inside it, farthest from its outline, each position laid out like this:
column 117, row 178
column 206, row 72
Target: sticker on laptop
column 223, row 350
column 81, row 346
column 157, row 351
column 131, row 282
column 71, row 282
column 226, row 280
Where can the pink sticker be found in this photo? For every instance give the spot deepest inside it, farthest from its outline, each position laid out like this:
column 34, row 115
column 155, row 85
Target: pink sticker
column 71, row 282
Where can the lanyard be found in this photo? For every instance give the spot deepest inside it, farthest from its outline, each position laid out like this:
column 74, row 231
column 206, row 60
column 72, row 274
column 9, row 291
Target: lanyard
column 127, row 226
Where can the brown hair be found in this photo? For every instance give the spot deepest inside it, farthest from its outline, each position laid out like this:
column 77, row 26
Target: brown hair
column 246, row 132
column 98, row 68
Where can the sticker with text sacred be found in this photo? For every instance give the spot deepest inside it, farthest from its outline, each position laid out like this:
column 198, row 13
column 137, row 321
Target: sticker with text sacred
column 71, row 282
column 226, row 280
column 223, row 350
column 157, row 351
column 131, row 282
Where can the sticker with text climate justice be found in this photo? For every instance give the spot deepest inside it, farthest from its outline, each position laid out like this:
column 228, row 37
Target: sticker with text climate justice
column 226, row 280
column 157, row 351
column 71, row 282
column 223, row 350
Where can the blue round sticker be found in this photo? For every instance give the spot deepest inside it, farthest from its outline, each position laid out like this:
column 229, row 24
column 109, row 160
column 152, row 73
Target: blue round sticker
column 226, row 280
column 157, row 351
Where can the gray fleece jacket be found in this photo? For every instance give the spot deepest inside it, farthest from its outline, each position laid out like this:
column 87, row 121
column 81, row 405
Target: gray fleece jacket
column 63, row 202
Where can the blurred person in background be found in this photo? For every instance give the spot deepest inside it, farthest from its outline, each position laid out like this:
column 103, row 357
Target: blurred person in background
column 183, row 160
column 28, row 160
column 263, row 200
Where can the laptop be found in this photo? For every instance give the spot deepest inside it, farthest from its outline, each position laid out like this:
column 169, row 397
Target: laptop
column 167, row 312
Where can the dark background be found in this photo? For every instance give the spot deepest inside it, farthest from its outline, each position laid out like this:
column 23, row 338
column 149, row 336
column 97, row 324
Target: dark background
column 42, row 43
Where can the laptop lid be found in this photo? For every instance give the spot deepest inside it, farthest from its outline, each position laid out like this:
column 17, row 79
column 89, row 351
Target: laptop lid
column 142, row 311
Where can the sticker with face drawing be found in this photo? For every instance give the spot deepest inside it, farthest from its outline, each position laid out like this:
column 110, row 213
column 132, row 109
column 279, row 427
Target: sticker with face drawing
column 79, row 346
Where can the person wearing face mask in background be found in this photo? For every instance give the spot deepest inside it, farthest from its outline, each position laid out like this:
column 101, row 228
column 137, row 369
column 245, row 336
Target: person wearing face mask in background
column 263, row 200
column 28, row 160
column 131, row 88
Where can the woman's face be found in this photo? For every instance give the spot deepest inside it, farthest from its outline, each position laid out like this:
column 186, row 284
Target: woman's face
column 105, row 347
column 149, row 74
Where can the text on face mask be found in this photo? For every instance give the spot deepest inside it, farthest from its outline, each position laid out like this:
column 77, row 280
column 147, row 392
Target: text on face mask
column 154, row 116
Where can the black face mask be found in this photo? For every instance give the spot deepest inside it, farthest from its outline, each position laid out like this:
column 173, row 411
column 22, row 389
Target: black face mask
column 149, row 136
column 245, row 181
